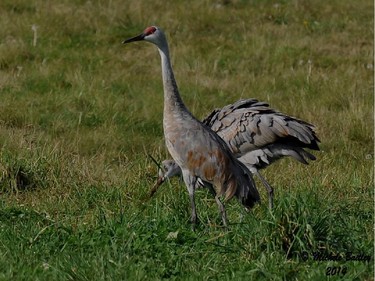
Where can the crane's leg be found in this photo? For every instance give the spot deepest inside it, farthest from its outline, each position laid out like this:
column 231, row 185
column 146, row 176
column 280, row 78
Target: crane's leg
column 190, row 182
column 222, row 211
column 268, row 188
column 220, row 205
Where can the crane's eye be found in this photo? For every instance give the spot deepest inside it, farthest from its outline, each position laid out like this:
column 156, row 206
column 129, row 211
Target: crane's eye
column 149, row 30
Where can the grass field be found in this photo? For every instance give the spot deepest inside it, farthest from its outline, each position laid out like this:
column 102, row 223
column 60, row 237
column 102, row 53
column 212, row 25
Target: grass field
column 80, row 112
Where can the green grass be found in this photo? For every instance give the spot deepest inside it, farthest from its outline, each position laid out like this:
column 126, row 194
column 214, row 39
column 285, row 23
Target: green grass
column 79, row 113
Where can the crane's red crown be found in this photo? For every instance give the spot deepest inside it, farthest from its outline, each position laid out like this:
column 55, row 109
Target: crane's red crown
column 149, row 30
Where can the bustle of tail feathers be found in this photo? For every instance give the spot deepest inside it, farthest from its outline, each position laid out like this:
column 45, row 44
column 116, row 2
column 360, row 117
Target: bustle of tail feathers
column 299, row 133
column 242, row 185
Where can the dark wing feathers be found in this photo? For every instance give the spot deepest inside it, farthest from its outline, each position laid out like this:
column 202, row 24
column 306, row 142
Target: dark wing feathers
column 250, row 125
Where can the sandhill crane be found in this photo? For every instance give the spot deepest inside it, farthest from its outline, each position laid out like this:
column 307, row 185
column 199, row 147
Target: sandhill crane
column 257, row 136
column 200, row 153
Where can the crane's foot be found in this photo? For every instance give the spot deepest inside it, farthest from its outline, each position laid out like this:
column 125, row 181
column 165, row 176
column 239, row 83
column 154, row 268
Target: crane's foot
column 194, row 222
column 225, row 220
column 270, row 196
column 270, row 199
column 194, row 225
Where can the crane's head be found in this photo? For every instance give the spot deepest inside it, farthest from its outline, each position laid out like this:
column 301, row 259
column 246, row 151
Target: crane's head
column 151, row 34
column 168, row 169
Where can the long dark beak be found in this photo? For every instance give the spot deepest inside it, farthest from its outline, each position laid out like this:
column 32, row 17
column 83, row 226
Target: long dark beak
column 156, row 186
column 139, row 37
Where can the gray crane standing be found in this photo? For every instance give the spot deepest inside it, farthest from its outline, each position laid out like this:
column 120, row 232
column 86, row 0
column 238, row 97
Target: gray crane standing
column 200, row 153
column 258, row 136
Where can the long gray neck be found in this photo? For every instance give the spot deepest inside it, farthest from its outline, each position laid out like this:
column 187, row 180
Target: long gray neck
column 172, row 99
